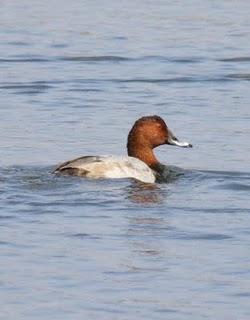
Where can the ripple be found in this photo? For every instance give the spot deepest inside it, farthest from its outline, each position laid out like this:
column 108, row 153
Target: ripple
column 85, row 90
column 183, row 60
column 242, row 295
column 186, row 79
column 36, row 87
column 239, row 76
column 164, row 80
column 202, row 236
column 166, row 310
column 96, row 59
column 5, row 243
column 235, row 186
column 19, row 43
column 84, row 236
column 6, row 217
column 225, row 175
column 24, row 60
column 210, row 210
column 19, row 88
column 236, row 59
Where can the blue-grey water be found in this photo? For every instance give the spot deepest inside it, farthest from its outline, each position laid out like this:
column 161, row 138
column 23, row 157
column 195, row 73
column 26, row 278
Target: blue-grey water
column 74, row 77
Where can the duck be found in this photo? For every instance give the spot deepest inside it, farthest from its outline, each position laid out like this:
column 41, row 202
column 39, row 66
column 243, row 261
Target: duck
column 140, row 163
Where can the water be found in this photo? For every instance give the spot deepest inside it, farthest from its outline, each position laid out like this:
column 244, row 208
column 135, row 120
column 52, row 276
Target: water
column 73, row 80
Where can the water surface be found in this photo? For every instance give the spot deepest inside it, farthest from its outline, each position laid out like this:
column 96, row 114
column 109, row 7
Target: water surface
column 73, row 80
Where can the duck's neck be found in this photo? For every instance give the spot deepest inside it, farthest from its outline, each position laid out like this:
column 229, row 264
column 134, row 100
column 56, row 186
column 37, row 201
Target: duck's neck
column 144, row 153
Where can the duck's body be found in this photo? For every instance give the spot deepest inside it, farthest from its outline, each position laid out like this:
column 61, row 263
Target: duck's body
column 109, row 167
column 140, row 164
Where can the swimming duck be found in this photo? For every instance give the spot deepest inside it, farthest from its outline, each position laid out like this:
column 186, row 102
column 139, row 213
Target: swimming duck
column 141, row 164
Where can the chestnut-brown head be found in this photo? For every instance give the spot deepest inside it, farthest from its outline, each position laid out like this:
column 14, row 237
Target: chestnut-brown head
column 148, row 133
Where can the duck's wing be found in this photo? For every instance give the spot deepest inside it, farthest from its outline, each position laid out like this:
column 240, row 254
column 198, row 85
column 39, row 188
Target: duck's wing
column 78, row 166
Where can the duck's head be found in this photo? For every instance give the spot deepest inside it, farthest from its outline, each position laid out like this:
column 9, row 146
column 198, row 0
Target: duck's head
column 148, row 133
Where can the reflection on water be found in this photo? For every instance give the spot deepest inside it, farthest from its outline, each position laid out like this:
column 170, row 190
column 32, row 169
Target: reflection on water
column 143, row 193
column 155, row 193
column 144, row 233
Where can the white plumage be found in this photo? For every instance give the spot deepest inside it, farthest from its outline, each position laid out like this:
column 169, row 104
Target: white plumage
column 108, row 167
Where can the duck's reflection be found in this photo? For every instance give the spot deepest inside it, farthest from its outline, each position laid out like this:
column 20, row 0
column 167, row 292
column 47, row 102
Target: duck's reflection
column 146, row 234
column 145, row 193
column 148, row 225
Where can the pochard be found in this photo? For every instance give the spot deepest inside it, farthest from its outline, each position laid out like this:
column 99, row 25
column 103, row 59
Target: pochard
column 141, row 164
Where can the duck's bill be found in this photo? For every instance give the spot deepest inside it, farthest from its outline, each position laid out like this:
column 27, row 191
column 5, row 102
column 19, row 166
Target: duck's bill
column 175, row 142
